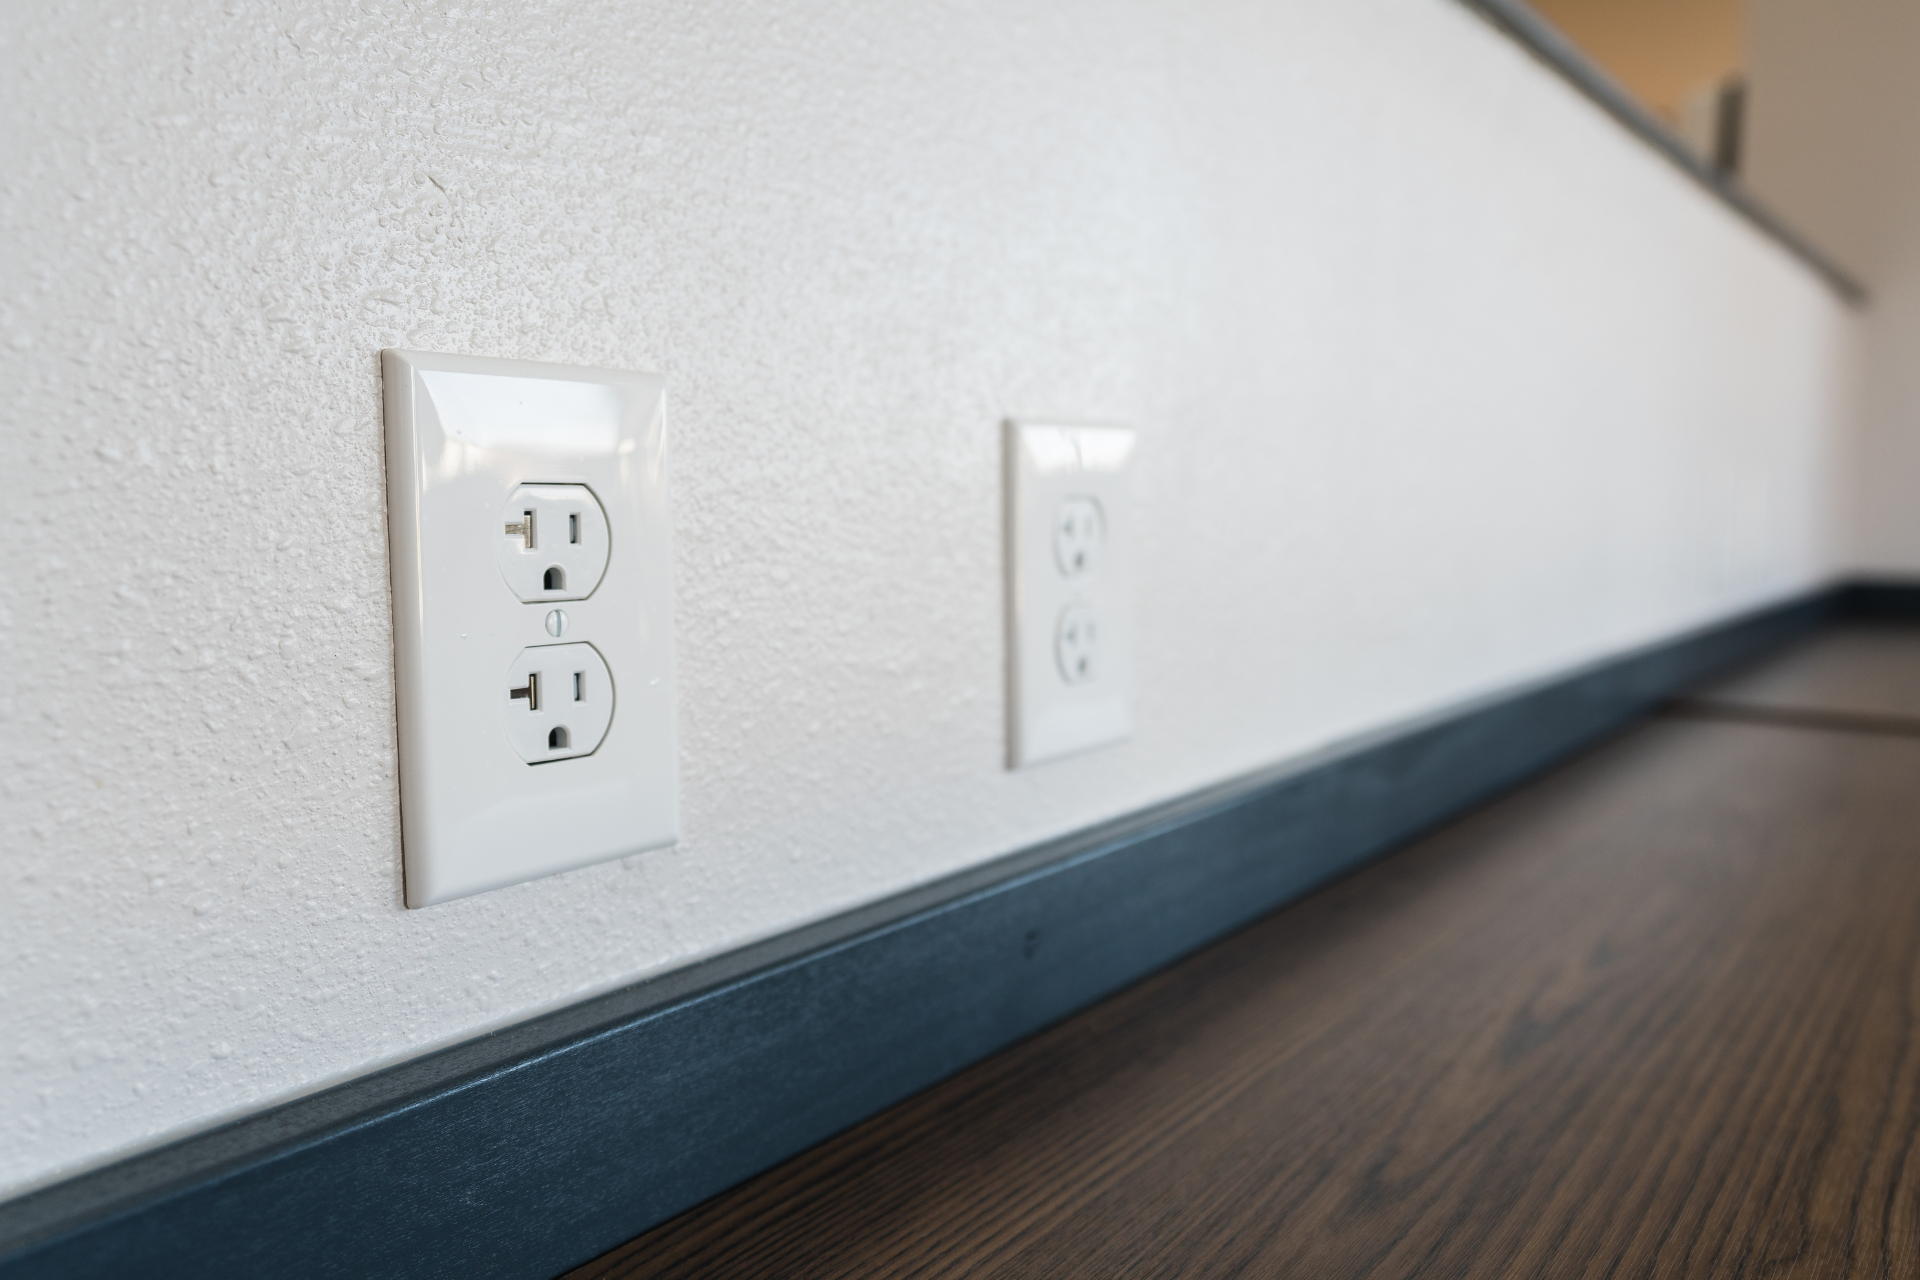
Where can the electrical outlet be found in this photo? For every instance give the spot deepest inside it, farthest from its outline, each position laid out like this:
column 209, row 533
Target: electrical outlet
column 1077, row 530
column 513, row 486
column 1076, row 644
column 1069, row 589
column 559, row 702
column 553, row 544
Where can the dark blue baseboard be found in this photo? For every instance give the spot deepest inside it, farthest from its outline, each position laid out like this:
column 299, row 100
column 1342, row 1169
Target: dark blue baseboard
column 525, row 1152
column 1873, row 598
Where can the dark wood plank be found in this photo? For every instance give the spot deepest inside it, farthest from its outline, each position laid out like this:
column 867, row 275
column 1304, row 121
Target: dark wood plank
column 1652, row 1016
column 1869, row 670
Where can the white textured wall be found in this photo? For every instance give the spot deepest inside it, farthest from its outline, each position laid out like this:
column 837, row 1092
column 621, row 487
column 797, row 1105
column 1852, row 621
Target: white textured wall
column 1444, row 382
column 1834, row 144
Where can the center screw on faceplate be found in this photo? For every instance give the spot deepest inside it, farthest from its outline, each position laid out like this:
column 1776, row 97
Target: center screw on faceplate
column 557, row 623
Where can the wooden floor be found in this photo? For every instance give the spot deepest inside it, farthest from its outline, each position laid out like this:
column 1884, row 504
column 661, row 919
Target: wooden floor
column 1654, row 1015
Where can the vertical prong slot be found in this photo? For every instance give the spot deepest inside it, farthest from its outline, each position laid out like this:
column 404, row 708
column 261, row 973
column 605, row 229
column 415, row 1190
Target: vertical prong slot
column 531, row 692
column 579, row 686
column 573, row 528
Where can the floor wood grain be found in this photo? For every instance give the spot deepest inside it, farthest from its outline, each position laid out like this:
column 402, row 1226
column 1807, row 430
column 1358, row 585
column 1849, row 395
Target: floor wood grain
column 1652, row 1016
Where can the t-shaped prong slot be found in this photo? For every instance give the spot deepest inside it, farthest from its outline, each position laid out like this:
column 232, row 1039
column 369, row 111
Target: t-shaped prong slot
column 523, row 528
column 531, row 693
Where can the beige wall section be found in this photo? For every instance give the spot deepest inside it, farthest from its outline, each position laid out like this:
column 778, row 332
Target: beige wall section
column 1661, row 50
column 1444, row 382
column 1833, row 145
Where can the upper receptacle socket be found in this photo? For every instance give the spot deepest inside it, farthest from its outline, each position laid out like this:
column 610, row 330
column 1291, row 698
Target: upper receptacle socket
column 1078, row 530
column 552, row 541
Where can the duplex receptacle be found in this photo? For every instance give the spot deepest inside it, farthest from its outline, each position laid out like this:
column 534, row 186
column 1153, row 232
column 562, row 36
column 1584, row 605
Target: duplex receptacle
column 533, row 628
column 1069, row 589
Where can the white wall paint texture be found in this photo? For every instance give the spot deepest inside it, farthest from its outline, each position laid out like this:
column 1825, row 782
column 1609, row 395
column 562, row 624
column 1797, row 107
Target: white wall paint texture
column 1834, row 144
column 1444, row 383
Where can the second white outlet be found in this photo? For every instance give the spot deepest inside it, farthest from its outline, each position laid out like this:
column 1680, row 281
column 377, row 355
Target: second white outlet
column 1069, row 589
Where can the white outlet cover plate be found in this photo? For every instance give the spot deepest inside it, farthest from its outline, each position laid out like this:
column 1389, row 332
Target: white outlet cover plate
column 462, row 434
column 1055, row 474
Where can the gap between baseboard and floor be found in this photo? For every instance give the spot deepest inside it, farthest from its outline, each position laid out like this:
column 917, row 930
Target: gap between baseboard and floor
column 538, row 1147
